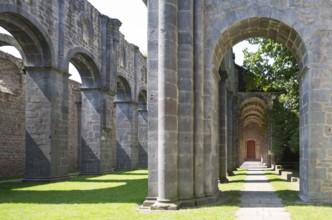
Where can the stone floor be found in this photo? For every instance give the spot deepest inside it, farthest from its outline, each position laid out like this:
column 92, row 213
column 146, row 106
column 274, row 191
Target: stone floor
column 259, row 201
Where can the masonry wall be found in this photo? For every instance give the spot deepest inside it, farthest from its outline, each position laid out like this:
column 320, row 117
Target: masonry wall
column 12, row 117
column 259, row 135
column 74, row 111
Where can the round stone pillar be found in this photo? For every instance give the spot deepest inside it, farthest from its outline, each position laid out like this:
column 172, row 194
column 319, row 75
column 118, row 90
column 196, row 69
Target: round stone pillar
column 167, row 106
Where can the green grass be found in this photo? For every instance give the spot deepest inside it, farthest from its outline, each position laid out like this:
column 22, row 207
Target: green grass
column 288, row 192
column 115, row 196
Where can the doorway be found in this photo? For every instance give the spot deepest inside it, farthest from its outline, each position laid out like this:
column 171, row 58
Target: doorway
column 251, row 150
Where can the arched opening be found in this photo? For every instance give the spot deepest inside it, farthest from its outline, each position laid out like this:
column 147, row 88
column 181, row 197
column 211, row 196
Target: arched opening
column 253, row 126
column 126, row 135
column 142, row 130
column 252, row 112
column 27, row 41
column 88, row 115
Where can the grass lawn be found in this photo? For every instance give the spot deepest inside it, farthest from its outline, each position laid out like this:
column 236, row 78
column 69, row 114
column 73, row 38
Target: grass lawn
column 288, row 193
column 115, row 196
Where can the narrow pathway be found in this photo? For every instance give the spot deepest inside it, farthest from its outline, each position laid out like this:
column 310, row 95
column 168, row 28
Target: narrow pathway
column 259, row 201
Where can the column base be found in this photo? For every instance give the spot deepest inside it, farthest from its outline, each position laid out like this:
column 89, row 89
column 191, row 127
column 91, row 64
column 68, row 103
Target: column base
column 148, row 202
column 159, row 205
column 201, row 201
column 213, row 198
column 230, row 173
column 223, row 180
column 188, row 202
column 45, row 180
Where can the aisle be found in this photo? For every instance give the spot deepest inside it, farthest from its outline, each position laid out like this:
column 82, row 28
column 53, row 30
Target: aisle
column 258, row 200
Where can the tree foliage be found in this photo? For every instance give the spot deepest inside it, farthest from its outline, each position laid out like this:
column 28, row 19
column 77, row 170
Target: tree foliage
column 272, row 68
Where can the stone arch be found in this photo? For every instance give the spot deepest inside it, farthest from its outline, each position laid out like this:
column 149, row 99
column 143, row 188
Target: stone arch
column 86, row 67
column 261, row 25
column 37, row 47
column 253, row 21
column 253, row 126
column 123, row 93
column 142, row 98
column 126, row 126
column 7, row 40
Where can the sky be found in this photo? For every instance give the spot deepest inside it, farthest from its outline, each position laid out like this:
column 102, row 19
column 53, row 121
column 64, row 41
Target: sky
column 133, row 15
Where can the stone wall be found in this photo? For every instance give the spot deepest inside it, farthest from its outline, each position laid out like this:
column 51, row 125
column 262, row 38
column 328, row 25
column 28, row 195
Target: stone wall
column 12, row 117
column 74, row 115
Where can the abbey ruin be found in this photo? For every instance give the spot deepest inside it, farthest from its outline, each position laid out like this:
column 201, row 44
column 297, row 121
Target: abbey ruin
column 182, row 112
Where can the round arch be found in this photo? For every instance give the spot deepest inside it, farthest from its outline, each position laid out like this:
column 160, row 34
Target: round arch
column 142, row 99
column 7, row 40
column 35, row 42
column 123, row 91
column 86, row 66
column 265, row 27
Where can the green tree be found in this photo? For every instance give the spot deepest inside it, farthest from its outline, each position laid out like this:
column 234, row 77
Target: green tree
column 272, row 68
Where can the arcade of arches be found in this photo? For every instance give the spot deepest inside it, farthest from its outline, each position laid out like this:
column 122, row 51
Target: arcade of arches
column 188, row 111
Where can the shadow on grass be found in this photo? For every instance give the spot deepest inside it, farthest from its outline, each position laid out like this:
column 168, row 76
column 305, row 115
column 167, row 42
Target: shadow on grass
column 120, row 191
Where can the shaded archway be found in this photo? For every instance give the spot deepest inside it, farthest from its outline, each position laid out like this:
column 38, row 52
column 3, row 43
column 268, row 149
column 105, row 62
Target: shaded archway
column 46, row 96
column 253, row 127
column 94, row 116
column 142, row 130
column 126, row 126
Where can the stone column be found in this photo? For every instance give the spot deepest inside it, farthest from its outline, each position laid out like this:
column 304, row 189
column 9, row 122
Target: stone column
column 46, row 124
column 96, row 131
column 186, row 103
column 230, row 143
column 199, row 103
column 167, row 106
column 315, row 135
column 126, row 135
column 152, row 102
column 235, row 133
column 222, row 131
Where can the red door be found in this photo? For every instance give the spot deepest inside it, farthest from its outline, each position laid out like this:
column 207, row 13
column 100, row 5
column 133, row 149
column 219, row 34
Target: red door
column 251, row 154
